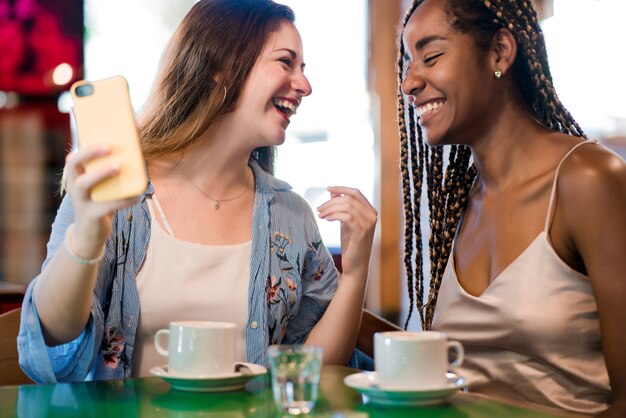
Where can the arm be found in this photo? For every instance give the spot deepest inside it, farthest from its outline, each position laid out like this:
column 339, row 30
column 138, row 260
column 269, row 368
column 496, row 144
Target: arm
column 595, row 196
column 63, row 292
column 338, row 328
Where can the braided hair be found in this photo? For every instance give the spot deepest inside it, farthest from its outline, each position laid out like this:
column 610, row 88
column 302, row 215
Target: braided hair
column 448, row 180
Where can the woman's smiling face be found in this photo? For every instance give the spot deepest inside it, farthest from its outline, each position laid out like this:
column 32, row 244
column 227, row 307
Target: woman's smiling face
column 447, row 78
column 275, row 87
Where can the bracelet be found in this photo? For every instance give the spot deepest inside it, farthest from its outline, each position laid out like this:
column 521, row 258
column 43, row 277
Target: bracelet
column 72, row 254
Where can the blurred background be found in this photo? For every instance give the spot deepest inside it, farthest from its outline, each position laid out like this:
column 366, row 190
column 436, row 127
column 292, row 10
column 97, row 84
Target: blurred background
column 345, row 133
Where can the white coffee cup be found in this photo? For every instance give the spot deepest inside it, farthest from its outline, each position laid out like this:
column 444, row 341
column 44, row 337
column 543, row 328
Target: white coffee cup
column 198, row 348
column 414, row 360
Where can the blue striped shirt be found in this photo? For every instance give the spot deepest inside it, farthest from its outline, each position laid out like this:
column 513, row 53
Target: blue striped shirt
column 292, row 280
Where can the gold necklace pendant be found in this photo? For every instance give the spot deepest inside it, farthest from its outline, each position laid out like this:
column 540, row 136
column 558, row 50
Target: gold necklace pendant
column 217, row 202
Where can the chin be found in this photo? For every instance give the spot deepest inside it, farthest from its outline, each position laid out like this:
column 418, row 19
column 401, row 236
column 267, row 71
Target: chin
column 274, row 141
column 277, row 141
column 432, row 140
column 437, row 139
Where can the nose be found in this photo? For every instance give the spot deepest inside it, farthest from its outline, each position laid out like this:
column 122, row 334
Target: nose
column 413, row 84
column 301, row 84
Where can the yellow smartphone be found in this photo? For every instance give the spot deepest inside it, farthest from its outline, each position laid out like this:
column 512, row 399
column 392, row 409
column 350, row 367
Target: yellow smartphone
column 103, row 115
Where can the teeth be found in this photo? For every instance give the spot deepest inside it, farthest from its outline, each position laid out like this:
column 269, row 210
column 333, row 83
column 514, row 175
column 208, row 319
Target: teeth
column 286, row 104
column 427, row 108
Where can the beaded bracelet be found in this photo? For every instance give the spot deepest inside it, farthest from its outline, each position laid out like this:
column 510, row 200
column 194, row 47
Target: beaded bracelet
column 72, row 254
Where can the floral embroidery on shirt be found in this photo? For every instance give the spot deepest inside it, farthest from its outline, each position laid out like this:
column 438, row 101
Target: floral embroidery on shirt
column 271, row 290
column 319, row 271
column 292, row 286
column 278, row 246
column 281, row 292
column 112, row 346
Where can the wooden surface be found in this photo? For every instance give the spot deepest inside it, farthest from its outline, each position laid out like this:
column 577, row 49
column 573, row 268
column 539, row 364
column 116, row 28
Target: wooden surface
column 11, row 296
column 10, row 374
column 371, row 324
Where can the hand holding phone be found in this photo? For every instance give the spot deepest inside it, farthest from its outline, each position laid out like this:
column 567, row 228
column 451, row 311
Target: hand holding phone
column 104, row 116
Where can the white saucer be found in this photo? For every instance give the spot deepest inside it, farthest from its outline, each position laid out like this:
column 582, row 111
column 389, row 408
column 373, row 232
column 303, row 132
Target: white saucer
column 213, row 383
column 366, row 384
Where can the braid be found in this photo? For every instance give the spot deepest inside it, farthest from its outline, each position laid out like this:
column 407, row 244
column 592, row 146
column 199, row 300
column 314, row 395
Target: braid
column 406, row 194
column 459, row 178
column 439, row 232
column 448, row 190
column 417, row 160
column 408, row 213
column 437, row 211
column 521, row 19
column 414, row 163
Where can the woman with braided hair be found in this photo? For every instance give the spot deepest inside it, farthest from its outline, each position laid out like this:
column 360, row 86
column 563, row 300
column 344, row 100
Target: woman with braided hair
column 527, row 217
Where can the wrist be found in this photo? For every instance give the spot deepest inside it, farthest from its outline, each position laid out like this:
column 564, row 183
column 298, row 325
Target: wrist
column 358, row 273
column 82, row 254
column 353, row 281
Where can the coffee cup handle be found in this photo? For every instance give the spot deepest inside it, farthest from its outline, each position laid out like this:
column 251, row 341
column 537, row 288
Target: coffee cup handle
column 157, row 341
column 458, row 350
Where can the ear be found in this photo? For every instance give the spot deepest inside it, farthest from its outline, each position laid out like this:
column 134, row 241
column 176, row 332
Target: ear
column 504, row 50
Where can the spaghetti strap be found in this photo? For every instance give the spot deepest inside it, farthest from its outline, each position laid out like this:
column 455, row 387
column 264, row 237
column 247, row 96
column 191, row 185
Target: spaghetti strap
column 550, row 214
column 166, row 224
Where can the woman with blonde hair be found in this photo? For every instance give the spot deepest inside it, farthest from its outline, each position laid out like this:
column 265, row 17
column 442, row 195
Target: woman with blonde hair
column 215, row 236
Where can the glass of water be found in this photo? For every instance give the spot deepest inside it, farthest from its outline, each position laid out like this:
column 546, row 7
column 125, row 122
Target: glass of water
column 295, row 371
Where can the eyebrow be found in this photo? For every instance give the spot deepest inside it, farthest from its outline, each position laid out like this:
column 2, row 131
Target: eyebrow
column 419, row 45
column 290, row 51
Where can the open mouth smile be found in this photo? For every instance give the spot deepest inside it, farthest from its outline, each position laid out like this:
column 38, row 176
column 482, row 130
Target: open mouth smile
column 428, row 108
column 285, row 106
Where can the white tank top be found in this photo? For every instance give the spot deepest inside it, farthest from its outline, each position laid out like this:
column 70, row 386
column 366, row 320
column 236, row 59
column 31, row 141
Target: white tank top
column 534, row 334
column 182, row 280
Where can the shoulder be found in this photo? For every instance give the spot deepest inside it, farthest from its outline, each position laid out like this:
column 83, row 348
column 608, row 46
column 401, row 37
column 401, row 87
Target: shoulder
column 290, row 209
column 592, row 190
column 287, row 208
column 292, row 199
column 593, row 171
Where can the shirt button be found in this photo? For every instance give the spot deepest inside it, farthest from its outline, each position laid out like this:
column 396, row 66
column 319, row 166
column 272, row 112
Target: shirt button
column 254, row 324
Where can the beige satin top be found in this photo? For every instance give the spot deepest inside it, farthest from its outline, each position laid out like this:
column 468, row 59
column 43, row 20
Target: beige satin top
column 534, row 334
column 181, row 281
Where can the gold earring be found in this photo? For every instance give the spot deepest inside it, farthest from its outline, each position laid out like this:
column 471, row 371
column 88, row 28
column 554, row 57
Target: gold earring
column 224, row 98
column 498, row 74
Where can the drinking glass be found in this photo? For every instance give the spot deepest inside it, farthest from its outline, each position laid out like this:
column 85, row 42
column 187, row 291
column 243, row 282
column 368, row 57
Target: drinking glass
column 295, row 371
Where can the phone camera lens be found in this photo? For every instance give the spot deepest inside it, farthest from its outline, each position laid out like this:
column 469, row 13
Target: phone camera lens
column 84, row 90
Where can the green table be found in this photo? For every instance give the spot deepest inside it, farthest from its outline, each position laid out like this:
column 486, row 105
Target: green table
column 153, row 397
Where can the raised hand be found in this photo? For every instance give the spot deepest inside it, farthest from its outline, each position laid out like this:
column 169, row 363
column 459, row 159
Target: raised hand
column 92, row 223
column 358, row 221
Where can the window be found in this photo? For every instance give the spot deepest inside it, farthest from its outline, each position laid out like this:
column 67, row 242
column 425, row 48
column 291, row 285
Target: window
column 588, row 65
column 330, row 140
